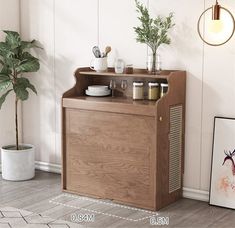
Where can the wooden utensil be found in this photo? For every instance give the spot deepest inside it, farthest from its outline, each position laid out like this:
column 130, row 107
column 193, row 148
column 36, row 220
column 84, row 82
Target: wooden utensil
column 107, row 50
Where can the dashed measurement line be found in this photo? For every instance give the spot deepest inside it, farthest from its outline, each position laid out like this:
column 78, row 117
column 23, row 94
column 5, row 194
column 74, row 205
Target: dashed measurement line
column 106, row 203
column 102, row 202
column 99, row 212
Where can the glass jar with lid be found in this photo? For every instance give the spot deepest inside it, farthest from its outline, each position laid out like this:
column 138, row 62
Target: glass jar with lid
column 138, row 90
column 164, row 89
column 153, row 91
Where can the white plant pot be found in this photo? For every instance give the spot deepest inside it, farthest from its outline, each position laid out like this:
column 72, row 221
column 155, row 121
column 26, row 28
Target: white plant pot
column 18, row 165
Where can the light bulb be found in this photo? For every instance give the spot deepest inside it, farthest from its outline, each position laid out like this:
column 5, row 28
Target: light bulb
column 216, row 26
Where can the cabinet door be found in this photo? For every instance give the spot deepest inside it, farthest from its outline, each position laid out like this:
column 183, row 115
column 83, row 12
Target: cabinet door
column 111, row 156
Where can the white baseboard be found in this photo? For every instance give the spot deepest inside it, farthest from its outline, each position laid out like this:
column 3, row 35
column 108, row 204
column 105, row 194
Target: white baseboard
column 44, row 166
column 48, row 167
column 189, row 193
column 196, row 194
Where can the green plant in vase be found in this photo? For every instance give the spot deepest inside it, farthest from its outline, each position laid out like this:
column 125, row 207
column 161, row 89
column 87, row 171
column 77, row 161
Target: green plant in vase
column 15, row 60
column 153, row 31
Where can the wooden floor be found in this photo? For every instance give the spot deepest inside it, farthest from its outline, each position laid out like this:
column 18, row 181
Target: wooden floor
column 35, row 195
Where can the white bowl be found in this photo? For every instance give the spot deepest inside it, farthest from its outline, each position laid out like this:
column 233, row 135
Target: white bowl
column 98, row 93
column 98, row 88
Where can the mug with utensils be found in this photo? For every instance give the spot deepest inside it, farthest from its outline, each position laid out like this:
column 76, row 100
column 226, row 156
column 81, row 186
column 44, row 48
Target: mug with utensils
column 99, row 64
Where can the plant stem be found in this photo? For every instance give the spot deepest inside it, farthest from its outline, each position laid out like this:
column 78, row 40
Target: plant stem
column 16, row 122
column 154, row 62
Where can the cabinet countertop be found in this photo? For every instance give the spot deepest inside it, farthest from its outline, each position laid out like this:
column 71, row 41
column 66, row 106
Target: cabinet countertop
column 112, row 104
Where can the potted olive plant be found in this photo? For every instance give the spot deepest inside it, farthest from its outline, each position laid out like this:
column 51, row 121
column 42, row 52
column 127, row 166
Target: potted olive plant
column 15, row 60
column 153, row 31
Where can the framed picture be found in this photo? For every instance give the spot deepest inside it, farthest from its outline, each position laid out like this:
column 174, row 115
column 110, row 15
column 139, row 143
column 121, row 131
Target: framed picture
column 222, row 187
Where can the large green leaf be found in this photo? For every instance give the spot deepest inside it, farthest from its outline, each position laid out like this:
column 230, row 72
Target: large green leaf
column 5, row 80
column 21, row 92
column 29, row 44
column 32, row 87
column 5, row 70
column 12, row 62
column 29, row 66
column 26, row 56
column 20, row 87
column 3, row 97
column 4, row 84
column 5, row 49
column 26, row 83
column 4, row 77
column 12, row 39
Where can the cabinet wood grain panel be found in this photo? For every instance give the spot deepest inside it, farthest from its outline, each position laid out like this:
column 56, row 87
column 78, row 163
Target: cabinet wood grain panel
column 111, row 151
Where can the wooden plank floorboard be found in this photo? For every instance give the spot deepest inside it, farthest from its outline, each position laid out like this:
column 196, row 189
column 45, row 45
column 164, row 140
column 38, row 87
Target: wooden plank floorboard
column 34, row 196
column 32, row 199
column 40, row 206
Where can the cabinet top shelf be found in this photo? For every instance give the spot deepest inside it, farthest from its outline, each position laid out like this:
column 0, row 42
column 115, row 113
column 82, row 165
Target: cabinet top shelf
column 141, row 73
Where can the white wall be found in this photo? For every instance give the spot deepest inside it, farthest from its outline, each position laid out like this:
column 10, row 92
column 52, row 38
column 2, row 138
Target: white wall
column 218, row 93
column 9, row 20
column 68, row 30
column 37, row 22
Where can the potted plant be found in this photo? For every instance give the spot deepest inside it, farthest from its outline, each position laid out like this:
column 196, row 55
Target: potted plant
column 153, row 31
column 15, row 59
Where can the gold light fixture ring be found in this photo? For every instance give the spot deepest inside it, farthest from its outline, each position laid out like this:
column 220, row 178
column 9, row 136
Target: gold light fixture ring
column 199, row 32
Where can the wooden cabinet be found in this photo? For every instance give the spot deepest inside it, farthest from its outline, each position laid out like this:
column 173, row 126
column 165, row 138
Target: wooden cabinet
column 124, row 150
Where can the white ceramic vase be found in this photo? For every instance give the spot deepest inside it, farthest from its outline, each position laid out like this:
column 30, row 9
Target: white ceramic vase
column 18, row 165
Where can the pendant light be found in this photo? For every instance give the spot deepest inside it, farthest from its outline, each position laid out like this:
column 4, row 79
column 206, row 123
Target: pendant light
column 216, row 25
